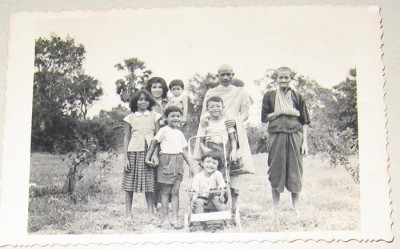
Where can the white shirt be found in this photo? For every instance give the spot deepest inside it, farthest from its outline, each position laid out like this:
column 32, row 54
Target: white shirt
column 172, row 140
column 203, row 184
column 217, row 131
column 142, row 129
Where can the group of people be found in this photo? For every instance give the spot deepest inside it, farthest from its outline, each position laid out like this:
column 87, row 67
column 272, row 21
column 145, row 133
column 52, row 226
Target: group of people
column 156, row 149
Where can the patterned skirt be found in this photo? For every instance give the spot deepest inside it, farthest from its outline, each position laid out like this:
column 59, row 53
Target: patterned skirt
column 141, row 177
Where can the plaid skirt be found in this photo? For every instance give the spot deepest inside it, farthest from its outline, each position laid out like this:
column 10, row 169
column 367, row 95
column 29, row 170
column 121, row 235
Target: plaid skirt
column 141, row 177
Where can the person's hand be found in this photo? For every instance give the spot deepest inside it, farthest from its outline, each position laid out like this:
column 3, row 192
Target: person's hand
column 230, row 123
column 272, row 116
column 127, row 166
column 155, row 160
column 193, row 204
column 222, row 198
column 192, row 171
column 304, row 149
column 149, row 162
column 163, row 122
column 204, row 122
column 233, row 156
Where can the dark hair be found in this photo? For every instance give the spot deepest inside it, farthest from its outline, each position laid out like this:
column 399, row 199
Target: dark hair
column 214, row 155
column 135, row 98
column 176, row 83
column 274, row 76
column 160, row 80
column 172, row 108
column 214, row 99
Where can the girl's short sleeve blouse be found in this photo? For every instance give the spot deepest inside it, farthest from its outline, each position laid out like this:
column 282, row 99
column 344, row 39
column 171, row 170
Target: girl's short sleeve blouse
column 143, row 127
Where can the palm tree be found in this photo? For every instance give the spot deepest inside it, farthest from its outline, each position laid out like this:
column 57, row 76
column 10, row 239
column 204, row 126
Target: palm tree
column 135, row 78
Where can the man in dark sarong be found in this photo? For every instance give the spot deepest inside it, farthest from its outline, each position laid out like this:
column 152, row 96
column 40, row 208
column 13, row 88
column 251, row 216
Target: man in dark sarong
column 286, row 112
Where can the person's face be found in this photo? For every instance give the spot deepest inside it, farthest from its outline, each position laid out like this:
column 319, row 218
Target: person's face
column 283, row 78
column 176, row 91
column 225, row 77
column 143, row 103
column 215, row 108
column 174, row 119
column 156, row 90
column 210, row 164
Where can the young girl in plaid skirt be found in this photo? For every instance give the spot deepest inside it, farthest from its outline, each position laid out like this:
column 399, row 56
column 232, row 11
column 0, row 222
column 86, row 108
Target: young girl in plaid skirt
column 140, row 127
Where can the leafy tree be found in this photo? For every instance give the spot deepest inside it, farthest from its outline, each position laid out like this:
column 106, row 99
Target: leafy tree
column 135, row 79
column 107, row 127
column 345, row 104
column 84, row 91
column 62, row 93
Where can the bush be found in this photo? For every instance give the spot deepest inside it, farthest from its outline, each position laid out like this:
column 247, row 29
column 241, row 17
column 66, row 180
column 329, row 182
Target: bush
column 257, row 136
column 94, row 178
column 336, row 146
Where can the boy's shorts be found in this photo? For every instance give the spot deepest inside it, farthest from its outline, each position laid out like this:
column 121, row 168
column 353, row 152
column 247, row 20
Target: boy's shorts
column 170, row 168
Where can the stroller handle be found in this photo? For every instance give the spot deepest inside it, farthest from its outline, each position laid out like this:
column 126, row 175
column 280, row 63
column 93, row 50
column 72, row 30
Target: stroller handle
column 211, row 191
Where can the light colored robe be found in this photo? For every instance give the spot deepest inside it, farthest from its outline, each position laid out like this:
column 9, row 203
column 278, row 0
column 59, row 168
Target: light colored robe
column 236, row 106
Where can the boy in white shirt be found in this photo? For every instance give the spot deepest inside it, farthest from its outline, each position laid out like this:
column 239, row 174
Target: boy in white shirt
column 170, row 163
column 218, row 134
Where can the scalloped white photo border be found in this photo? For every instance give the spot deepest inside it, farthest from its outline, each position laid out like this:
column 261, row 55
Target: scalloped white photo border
column 374, row 186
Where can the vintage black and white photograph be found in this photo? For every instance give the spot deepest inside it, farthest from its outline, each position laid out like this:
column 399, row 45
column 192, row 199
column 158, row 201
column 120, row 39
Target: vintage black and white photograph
column 203, row 121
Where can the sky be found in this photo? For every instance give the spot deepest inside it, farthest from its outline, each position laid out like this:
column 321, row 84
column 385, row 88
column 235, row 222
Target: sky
column 176, row 43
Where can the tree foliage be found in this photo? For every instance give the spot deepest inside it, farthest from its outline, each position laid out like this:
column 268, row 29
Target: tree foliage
column 84, row 91
column 135, row 78
column 62, row 93
column 345, row 103
column 108, row 128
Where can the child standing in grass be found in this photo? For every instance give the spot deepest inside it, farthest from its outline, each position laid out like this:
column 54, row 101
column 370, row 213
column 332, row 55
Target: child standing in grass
column 140, row 127
column 170, row 169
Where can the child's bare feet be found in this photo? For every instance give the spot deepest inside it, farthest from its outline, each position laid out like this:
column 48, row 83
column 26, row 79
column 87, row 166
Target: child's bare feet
column 128, row 218
column 165, row 224
column 170, row 207
column 176, row 225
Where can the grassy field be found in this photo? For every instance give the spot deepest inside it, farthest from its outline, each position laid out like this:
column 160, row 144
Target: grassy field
column 329, row 202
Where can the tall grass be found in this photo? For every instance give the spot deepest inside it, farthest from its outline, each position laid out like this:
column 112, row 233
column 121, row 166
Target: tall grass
column 329, row 201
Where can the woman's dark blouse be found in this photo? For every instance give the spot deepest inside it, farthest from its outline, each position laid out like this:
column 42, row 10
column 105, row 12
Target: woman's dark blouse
column 285, row 123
